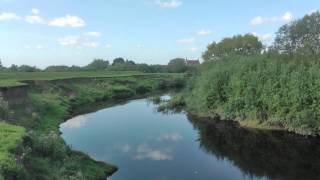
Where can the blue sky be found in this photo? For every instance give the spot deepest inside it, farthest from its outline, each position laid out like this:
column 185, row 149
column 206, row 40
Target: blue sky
column 46, row 32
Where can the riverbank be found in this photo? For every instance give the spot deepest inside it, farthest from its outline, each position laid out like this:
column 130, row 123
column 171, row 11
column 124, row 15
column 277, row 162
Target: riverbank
column 46, row 104
column 183, row 102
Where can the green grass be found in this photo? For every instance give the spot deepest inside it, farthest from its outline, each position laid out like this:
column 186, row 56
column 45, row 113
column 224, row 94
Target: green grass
column 16, row 79
column 12, row 79
column 10, row 137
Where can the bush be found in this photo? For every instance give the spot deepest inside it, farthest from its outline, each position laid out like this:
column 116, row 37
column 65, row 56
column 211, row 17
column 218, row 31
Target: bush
column 143, row 89
column 50, row 145
column 264, row 88
column 119, row 92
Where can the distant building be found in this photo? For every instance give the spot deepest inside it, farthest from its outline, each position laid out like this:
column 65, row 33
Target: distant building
column 192, row 62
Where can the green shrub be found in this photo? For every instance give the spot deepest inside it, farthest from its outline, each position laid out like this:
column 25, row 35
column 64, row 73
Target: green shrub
column 49, row 145
column 143, row 89
column 264, row 88
column 119, row 92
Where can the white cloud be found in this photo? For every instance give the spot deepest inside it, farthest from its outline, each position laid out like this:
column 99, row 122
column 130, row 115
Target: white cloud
column 194, row 49
column 266, row 38
column 7, row 16
column 168, row 3
column 68, row 20
column 259, row 20
column 144, row 152
column 70, row 41
column 78, row 41
column 288, row 16
column 204, row 32
column 170, row 137
column 93, row 33
column 34, row 19
column 90, row 44
column 186, row 41
column 39, row 46
column 35, row 11
column 108, row 46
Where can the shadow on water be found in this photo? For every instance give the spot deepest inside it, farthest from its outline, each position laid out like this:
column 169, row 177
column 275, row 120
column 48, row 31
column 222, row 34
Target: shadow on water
column 260, row 153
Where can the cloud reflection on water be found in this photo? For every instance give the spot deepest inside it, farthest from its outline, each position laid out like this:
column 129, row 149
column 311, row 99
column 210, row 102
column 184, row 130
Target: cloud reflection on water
column 145, row 152
column 170, row 137
column 75, row 123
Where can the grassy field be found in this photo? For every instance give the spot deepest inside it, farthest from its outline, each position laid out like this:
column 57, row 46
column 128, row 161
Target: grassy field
column 16, row 79
column 10, row 137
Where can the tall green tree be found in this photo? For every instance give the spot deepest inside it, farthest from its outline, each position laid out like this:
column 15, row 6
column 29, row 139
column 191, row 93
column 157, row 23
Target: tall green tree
column 300, row 37
column 177, row 65
column 236, row 45
column 118, row 61
column 97, row 64
column 13, row 68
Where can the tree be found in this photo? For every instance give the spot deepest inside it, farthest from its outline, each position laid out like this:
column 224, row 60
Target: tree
column 26, row 68
column 130, row 62
column 236, row 45
column 300, row 37
column 57, row 68
column 13, row 68
column 97, row 64
column 177, row 65
column 118, row 61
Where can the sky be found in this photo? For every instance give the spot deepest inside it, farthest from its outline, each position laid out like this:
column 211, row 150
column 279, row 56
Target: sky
column 73, row 32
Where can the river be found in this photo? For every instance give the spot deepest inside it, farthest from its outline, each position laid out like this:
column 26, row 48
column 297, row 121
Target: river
column 150, row 145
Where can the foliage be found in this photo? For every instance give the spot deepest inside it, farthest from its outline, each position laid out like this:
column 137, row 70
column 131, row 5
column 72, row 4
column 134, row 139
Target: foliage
column 97, row 64
column 177, row 65
column 300, row 37
column 118, row 61
column 279, row 88
column 10, row 137
column 61, row 68
column 27, row 68
column 260, row 88
column 236, row 45
column 175, row 104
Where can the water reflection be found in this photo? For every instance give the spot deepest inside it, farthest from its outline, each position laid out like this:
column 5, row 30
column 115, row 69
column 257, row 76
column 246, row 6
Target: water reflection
column 274, row 154
column 170, row 137
column 146, row 144
column 144, row 152
column 122, row 148
column 75, row 123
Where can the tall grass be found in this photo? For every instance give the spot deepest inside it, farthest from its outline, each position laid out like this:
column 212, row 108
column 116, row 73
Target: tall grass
column 10, row 137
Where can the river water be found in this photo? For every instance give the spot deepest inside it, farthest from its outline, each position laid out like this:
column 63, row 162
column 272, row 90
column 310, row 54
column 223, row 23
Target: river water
column 150, row 145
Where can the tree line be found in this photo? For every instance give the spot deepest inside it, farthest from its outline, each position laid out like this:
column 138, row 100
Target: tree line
column 176, row 65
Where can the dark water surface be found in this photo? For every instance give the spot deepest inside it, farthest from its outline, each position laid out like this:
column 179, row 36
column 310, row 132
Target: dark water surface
column 148, row 145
